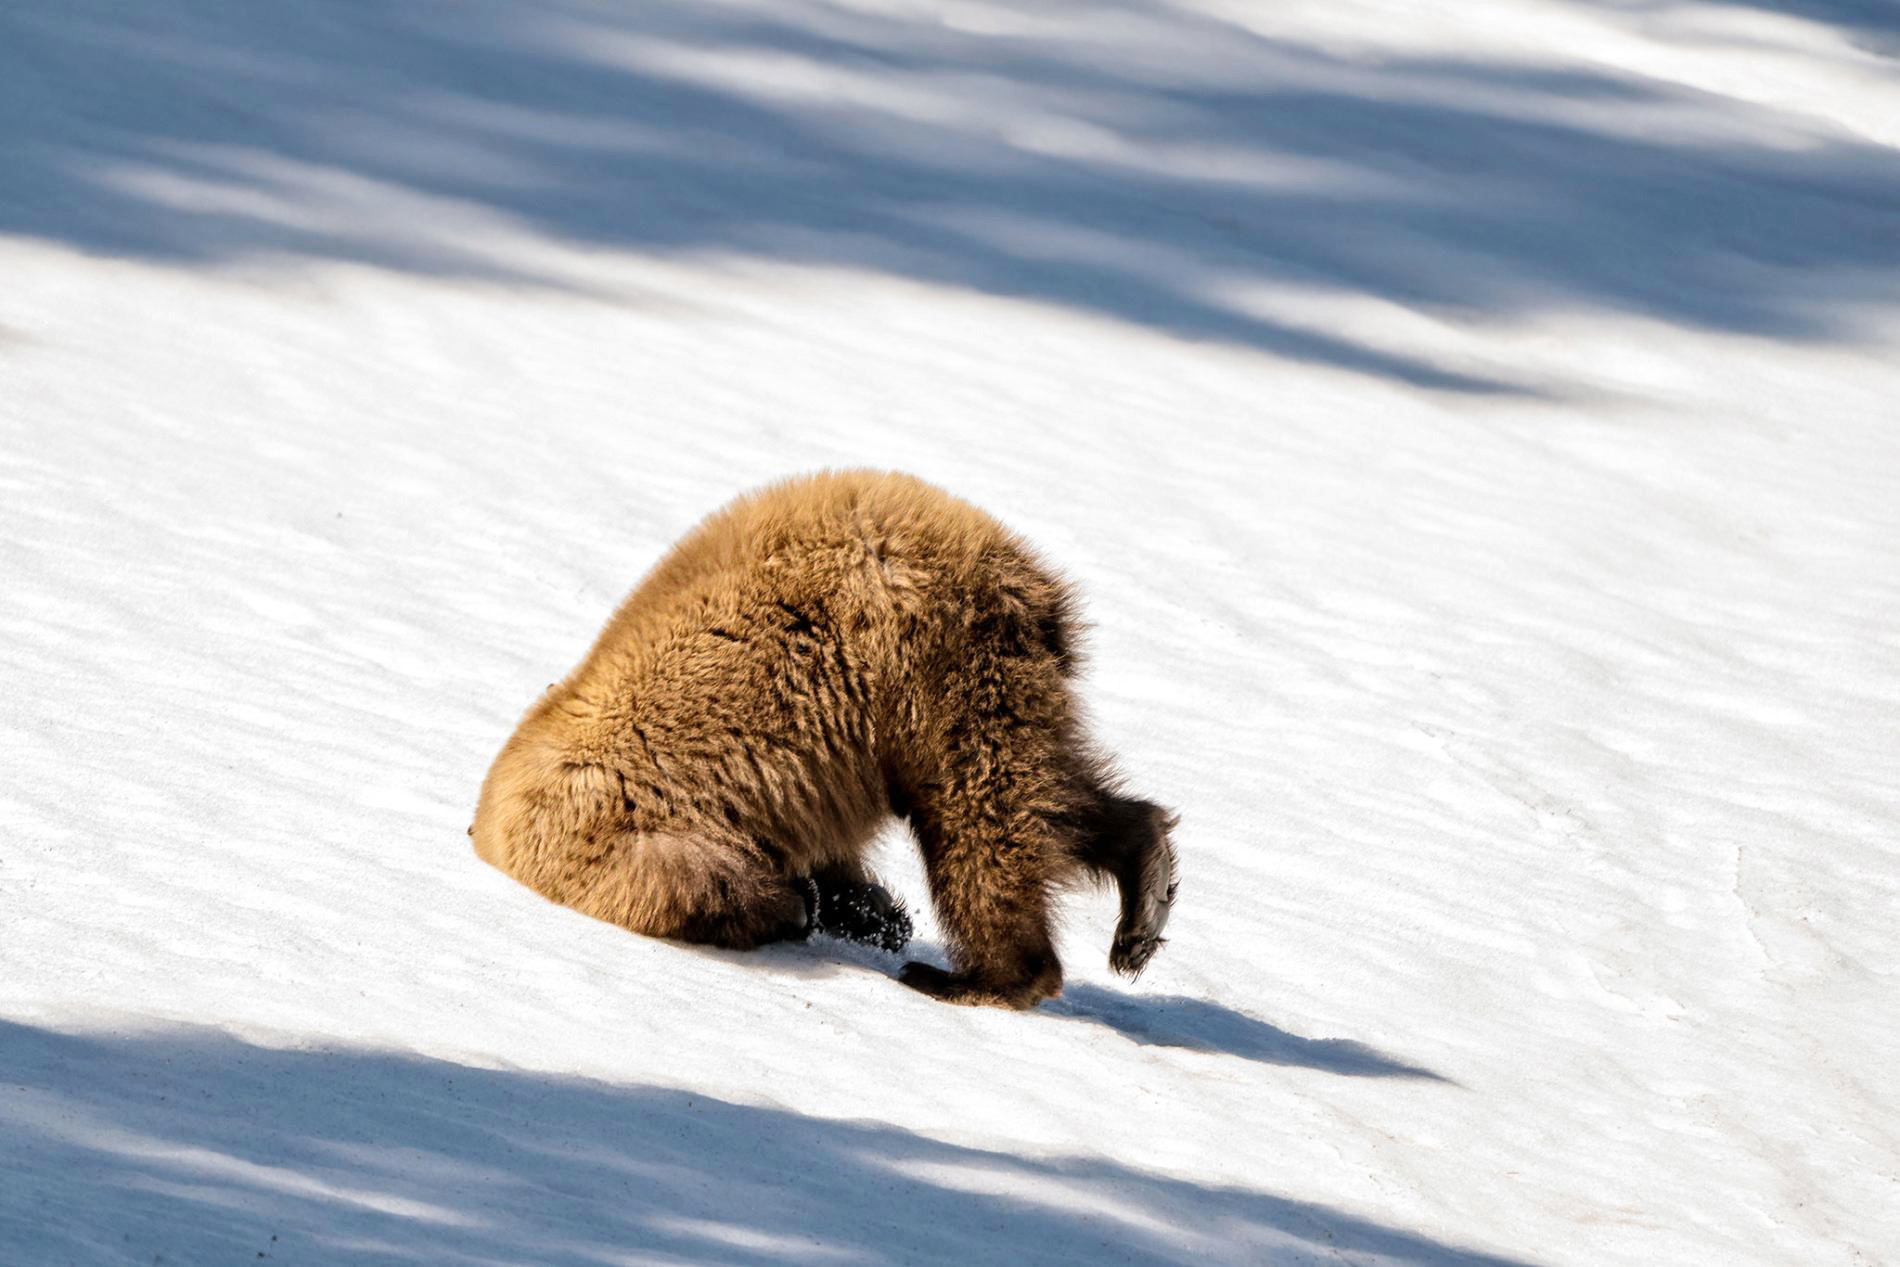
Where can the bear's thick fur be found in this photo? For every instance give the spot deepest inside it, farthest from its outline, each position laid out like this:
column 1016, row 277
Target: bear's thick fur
column 810, row 659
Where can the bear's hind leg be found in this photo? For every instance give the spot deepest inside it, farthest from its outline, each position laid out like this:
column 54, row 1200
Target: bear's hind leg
column 703, row 888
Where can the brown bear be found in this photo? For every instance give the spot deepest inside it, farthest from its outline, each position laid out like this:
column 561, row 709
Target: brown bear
column 812, row 658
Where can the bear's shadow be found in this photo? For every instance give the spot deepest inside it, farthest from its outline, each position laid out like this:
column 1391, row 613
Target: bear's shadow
column 1152, row 1020
column 1172, row 1020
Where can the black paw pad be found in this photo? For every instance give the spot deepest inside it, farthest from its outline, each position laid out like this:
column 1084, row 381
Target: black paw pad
column 862, row 913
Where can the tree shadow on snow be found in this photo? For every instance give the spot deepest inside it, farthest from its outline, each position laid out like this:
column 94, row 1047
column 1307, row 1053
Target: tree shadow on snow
column 1873, row 25
column 1185, row 175
column 1200, row 1025
column 192, row 1146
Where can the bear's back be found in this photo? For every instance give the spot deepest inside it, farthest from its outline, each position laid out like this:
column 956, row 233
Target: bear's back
column 854, row 542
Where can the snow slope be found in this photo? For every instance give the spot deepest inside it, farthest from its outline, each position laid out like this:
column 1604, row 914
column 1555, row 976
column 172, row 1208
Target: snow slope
column 1472, row 425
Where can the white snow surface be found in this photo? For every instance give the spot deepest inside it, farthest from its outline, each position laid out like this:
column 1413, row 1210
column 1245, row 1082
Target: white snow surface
column 1472, row 425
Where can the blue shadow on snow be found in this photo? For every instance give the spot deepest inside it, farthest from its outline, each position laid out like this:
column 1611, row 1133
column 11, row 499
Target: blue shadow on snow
column 190, row 1145
column 1159, row 190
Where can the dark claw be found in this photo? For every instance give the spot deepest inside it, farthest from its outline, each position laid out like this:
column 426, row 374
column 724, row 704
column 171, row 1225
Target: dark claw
column 1131, row 954
column 927, row 978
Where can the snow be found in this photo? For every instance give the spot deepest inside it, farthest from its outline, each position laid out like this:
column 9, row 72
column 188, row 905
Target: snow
column 1471, row 424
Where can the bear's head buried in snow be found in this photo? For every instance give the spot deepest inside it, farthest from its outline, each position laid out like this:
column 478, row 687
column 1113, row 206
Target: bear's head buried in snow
column 812, row 658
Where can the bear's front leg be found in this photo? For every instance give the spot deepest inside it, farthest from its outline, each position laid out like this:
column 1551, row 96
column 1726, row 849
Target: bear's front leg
column 989, row 876
column 1125, row 840
column 1021, row 990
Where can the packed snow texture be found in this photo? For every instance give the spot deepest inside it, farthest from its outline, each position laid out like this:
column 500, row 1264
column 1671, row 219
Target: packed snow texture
column 1472, row 425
